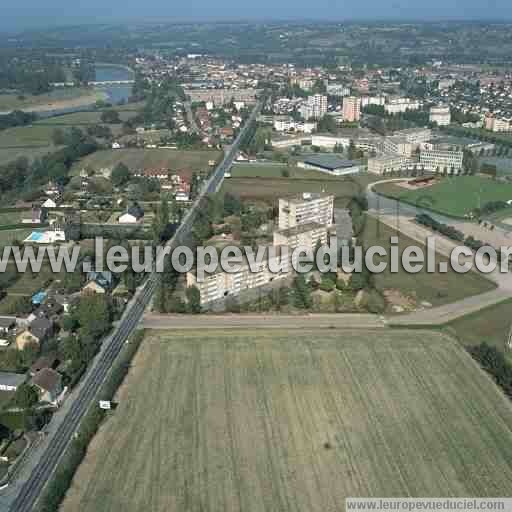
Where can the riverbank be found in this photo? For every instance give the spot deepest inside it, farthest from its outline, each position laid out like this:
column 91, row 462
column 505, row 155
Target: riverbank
column 48, row 104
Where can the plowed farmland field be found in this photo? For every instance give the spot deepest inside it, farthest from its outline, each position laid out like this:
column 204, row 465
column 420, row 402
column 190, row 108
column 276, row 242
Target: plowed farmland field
column 276, row 421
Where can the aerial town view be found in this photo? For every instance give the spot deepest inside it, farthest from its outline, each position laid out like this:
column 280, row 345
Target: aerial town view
column 255, row 258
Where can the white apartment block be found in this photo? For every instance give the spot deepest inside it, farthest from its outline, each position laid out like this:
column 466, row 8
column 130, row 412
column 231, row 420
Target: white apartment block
column 497, row 125
column 284, row 124
column 440, row 160
column 440, row 115
column 373, row 100
column 338, row 90
column 306, row 84
column 387, row 163
column 315, row 107
column 305, row 209
column 222, row 284
column 400, row 105
column 351, row 109
column 304, row 235
column 220, row 97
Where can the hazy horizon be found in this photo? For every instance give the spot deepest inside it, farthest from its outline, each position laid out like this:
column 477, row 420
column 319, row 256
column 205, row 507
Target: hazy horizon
column 31, row 14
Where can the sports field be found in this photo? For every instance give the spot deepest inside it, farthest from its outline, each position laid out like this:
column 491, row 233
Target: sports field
column 455, row 196
column 276, row 421
column 143, row 158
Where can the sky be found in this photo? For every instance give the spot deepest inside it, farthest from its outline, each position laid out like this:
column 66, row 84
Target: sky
column 21, row 14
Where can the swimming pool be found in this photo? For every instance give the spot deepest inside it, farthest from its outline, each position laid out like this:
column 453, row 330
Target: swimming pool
column 35, row 236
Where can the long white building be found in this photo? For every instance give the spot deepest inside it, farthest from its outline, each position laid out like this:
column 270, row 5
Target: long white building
column 442, row 159
column 387, row 163
column 220, row 285
column 400, row 105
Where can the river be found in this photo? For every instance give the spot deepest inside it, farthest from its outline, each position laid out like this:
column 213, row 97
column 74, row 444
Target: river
column 115, row 93
column 108, row 72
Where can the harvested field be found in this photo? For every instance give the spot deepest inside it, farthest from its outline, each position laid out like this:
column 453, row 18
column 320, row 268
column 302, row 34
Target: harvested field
column 271, row 422
column 271, row 189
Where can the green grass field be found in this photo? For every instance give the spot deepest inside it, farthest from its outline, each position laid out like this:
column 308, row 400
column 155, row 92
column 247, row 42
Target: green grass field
column 455, row 196
column 140, row 158
column 81, row 119
column 275, row 421
column 438, row 288
column 9, row 235
column 491, row 325
column 36, row 140
column 13, row 153
column 27, row 136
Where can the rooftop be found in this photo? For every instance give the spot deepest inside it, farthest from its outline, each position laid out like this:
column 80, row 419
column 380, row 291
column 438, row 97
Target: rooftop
column 307, row 196
column 12, row 379
column 47, row 379
column 330, row 161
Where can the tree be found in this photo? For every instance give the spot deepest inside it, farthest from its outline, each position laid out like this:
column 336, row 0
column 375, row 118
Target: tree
column 94, row 316
column 160, row 298
column 25, row 397
column 19, row 305
column 72, row 282
column 193, row 300
column 70, row 323
column 301, row 293
column 120, row 175
column 110, row 117
column 70, row 349
column 327, row 124
column 58, row 137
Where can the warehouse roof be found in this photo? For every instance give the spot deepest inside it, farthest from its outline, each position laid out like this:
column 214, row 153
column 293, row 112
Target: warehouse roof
column 330, row 162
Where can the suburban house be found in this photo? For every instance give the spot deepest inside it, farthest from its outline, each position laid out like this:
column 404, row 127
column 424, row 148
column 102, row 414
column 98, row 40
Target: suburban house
column 11, row 381
column 25, row 339
column 133, row 215
column 226, row 133
column 49, row 203
column 99, row 282
column 51, row 309
column 48, row 383
column 53, row 189
column 44, row 362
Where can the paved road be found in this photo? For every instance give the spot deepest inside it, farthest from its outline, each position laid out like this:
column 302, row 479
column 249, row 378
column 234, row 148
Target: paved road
column 22, row 495
column 316, row 321
column 401, row 217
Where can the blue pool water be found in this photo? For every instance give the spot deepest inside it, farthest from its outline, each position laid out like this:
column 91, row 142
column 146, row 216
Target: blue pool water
column 36, row 237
